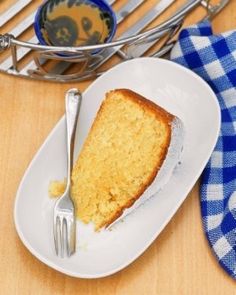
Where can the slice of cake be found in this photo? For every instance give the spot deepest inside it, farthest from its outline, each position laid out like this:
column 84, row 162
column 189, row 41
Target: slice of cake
column 122, row 155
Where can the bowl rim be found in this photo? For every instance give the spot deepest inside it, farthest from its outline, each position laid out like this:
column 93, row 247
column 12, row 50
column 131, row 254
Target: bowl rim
column 101, row 4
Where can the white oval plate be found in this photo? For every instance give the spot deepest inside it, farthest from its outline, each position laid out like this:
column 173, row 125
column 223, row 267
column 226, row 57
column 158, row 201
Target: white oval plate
column 175, row 88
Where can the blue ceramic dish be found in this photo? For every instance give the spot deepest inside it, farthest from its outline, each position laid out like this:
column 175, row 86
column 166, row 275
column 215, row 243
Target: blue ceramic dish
column 74, row 23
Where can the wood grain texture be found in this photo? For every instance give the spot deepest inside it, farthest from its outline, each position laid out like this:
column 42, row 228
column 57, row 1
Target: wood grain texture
column 178, row 262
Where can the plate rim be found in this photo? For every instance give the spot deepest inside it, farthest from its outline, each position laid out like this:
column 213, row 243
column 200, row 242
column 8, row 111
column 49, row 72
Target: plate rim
column 174, row 209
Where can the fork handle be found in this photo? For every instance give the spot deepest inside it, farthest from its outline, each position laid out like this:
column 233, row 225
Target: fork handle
column 72, row 105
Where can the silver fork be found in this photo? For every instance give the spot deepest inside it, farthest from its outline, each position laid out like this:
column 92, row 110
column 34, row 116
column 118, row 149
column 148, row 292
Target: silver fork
column 64, row 223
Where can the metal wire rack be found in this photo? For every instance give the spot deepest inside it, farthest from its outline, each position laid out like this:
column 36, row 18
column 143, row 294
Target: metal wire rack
column 46, row 63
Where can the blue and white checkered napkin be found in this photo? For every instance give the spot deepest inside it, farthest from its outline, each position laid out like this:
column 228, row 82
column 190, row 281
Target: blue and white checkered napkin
column 213, row 57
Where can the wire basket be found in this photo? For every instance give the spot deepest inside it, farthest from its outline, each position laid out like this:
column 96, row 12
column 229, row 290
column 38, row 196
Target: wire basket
column 30, row 60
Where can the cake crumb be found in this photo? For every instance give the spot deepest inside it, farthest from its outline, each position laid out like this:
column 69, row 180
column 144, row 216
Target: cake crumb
column 56, row 188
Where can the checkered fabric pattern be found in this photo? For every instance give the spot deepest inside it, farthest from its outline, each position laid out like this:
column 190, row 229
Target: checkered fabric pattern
column 213, row 57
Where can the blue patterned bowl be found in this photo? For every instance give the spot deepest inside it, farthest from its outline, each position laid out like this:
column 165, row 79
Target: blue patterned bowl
column 74, row 22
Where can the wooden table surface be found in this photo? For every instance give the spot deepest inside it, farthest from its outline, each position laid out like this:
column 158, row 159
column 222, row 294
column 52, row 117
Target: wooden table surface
column 178, row 262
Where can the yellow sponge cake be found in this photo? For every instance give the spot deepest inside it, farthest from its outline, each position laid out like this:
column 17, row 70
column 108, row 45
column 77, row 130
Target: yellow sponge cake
column 121, row 156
